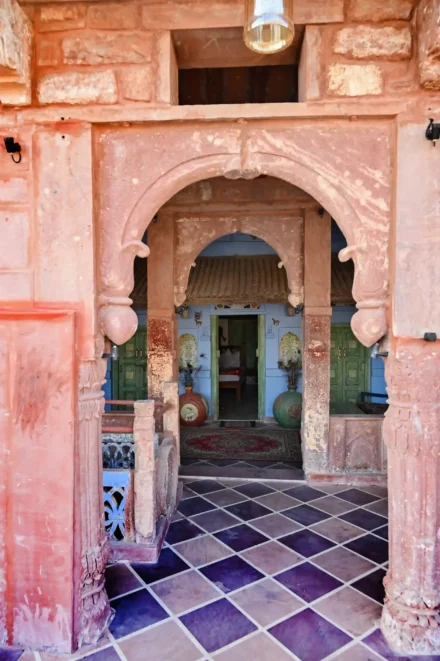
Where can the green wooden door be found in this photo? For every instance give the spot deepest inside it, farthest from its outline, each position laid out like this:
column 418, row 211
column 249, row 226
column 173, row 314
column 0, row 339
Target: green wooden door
column 130, row 380
column 261, row 352
column 215, row 354
column 350, row 368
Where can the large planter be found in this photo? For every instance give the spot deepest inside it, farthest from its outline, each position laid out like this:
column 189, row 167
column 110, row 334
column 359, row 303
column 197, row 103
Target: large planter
column 287, row 409
column 193, row 409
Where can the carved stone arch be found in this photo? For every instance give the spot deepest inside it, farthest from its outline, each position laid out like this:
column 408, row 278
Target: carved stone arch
column 357, row 198
column 292, row 263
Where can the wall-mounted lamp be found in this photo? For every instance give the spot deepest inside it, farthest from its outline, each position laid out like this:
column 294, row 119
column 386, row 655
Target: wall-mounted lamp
column 433, row 131
column 12, row 148
column 299, row 309
column 268, row 25
column 290, row 310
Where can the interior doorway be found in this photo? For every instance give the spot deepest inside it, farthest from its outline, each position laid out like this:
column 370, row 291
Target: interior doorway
column 238, row 367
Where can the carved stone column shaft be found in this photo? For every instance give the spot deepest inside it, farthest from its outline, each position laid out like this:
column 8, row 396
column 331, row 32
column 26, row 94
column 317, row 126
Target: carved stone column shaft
column 411, row 619
column 93, row 605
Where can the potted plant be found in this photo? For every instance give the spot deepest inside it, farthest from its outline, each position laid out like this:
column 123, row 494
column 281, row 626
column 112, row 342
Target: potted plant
column 288, row 406
column 193, row 407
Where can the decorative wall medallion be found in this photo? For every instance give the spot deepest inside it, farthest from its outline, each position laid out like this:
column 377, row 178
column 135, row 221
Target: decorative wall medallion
column 187, row 350
column 290, row 347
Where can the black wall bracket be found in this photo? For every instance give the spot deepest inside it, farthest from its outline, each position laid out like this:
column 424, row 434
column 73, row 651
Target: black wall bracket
column 12, row 148
column 433, row 131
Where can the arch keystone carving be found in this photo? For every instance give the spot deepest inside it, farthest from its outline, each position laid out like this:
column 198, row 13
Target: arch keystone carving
column 355, row 191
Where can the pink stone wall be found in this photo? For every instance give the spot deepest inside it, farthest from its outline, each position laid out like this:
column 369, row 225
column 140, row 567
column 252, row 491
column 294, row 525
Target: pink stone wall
column 38, row 384
column 101, row 54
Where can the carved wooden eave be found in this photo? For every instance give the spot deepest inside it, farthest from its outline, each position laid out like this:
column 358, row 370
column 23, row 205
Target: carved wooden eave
column 15, row 54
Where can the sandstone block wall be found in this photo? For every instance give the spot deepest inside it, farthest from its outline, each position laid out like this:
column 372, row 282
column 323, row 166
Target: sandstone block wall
column 101, row 54
column 373, row 54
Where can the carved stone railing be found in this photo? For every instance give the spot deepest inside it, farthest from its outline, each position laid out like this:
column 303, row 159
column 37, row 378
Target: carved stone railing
column 141, row 476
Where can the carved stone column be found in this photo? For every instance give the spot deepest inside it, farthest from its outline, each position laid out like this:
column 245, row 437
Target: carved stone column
column 162, row 323
column 316, row 341
column 411, row 618
column 92, row 603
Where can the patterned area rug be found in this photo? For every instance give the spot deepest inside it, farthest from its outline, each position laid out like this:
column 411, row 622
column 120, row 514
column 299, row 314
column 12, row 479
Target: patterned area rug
column 241, row 444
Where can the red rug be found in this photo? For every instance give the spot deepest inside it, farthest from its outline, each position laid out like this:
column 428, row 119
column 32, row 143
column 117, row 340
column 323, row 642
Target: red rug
column 241, row 444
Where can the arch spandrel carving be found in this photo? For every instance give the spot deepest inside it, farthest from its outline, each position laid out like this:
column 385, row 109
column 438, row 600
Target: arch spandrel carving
column 345, row 166
column 197, row 231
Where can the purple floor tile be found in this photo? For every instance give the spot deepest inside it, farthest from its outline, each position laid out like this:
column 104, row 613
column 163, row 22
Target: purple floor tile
column 308, row 582
column 370, row 547
column 120, row 579
column 254, row 490
column 305, row 493
column 309, row 636
column 364, row 519
column 358, row 497
column 217, row 625
column 205, row 486
column 241, row 537
column 108, row 654
column 248, row 510
column 181, row 531
column 193, row 506
column 378, row 644
column 10, row 655
column 372, row 585
column 231, row 573
column 306, row 515
column 382, row 532
column 169, row 564
column 134, row 612
column 306, row 542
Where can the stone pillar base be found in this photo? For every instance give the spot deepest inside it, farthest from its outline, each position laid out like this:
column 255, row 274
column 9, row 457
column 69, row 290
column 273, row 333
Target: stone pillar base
column 411, row 631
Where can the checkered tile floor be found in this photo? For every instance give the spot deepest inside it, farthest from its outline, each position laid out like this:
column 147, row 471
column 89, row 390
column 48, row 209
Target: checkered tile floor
column 255, row 570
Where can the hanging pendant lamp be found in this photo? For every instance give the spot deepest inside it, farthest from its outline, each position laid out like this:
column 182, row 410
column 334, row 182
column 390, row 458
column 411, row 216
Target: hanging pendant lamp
column 268, row 26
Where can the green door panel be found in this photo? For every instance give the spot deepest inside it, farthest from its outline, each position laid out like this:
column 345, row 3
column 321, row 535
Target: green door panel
column 349, row 368
column 130, row 370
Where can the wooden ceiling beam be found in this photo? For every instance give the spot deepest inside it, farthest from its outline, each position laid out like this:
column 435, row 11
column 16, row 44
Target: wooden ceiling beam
column 225, row 47
column 202, row 14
